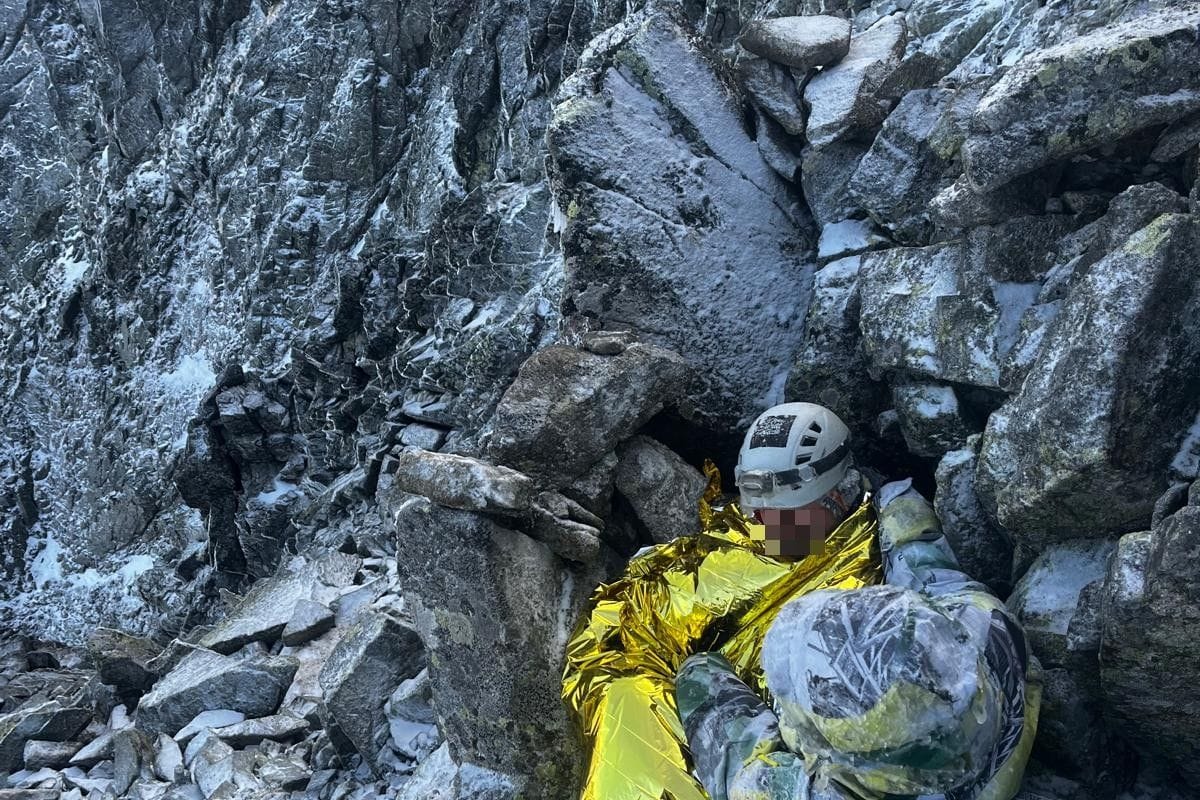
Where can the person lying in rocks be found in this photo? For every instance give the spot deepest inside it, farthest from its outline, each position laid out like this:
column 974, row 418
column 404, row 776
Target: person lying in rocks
column 919, row 687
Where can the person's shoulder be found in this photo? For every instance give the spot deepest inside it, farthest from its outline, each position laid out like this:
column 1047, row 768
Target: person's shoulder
column 882, row 488
column 893, row 489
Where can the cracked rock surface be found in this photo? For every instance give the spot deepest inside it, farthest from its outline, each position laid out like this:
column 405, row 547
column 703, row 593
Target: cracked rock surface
column 348, row 346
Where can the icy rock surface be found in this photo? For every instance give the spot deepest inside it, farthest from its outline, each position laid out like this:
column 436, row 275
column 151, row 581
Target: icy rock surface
column 845, row 97
column 1125, row 331
column 798, row 42
column 703, row 214
column 1041, row 110
column 930, row 418
column 832, row 368
column 927, row 311
column 318, row 313
column 1153, row 588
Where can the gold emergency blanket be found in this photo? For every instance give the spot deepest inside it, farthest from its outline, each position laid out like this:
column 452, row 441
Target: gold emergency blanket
column 716, row 590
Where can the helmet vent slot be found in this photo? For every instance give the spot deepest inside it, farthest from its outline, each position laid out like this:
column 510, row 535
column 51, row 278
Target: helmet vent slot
column 815, row 427
column 808, row 441
column 803, row 458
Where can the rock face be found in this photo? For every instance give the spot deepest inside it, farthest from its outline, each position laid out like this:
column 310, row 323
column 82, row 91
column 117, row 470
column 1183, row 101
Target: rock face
column 776, row 93
column 1151, row 596
column 702, row 217
column 566, row 527
column 151, row 288
column 39, row 754
column 278, row 727
column 798, row 42
column 262, row 615
column 1049, row 599
column 214, row 719
column 48, row 721
column 1117, row 369
column 927, row 311
column 931, row 419
column 308, row 621
column 462, row 482
column 315, row 314
column 123, row 661
column 1068, row 258
column 1046, row 109
column 831, row 367
column 912, row 159
column 848, row 237
column 825, row 172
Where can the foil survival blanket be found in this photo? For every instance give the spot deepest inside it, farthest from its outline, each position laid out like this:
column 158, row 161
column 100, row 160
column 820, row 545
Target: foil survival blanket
column 715, row 590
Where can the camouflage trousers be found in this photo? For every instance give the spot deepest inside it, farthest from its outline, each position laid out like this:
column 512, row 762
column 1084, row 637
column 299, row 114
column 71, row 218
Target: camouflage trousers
column 734, row 736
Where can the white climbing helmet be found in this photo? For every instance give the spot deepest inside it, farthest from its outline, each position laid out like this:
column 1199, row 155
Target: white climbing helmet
column 793, row 454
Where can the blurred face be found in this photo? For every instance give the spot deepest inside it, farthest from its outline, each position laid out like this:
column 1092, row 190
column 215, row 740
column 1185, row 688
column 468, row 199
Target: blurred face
column 797, row 532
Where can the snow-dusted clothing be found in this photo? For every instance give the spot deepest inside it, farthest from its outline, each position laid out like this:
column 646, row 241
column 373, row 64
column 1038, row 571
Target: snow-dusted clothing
column 858, row 710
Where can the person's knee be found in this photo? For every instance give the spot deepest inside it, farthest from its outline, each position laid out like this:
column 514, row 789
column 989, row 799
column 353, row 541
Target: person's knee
column 880, row 682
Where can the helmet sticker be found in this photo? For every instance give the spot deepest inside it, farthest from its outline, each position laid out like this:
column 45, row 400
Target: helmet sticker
column 772, row 431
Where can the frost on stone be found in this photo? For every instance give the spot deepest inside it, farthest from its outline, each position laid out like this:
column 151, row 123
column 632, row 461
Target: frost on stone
column 703, row 217
column 90, row 465
column 106, row 594
column 380, row 217
column 1053, row 453
column 929, row 311
column 1046, row 598
column 843, row 97
column 1186, row 463
column 848, row 237
column 1097, row 88
column 1013, row 300
column 930, row 418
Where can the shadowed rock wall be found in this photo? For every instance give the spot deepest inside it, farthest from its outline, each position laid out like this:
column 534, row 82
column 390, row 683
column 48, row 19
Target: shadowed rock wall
column 349, row 343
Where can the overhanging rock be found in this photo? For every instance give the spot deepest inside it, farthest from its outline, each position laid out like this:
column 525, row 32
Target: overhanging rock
column 1081, row 94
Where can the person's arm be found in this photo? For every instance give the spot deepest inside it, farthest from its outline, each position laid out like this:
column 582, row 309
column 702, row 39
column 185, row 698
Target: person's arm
column 916, row 554
column 918, row 557
column 733, row 736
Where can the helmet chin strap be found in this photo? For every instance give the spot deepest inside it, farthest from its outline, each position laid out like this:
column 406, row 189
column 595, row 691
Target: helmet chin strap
column 835, row 504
